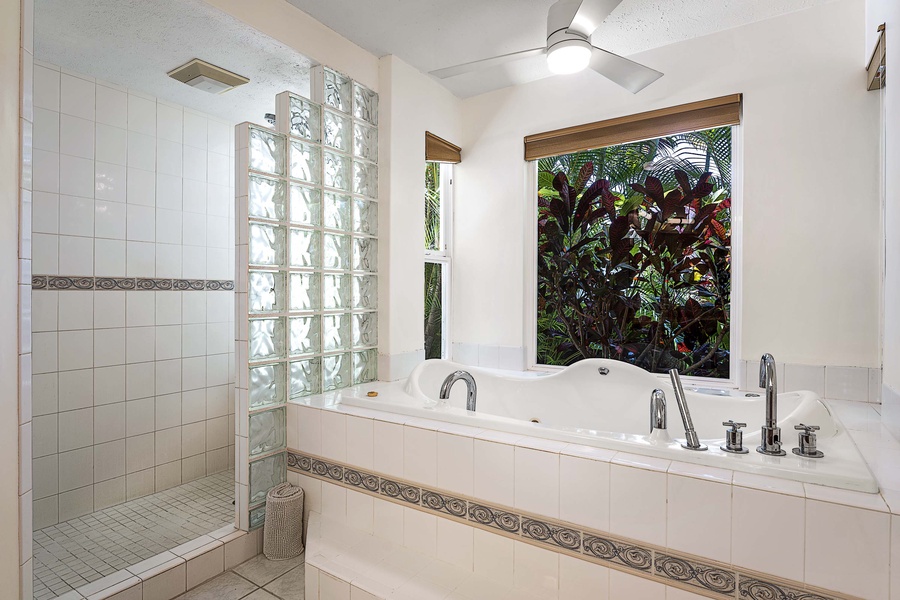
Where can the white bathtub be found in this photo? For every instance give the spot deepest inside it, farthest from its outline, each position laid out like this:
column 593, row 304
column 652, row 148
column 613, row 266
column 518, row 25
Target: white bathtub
column 579, row 405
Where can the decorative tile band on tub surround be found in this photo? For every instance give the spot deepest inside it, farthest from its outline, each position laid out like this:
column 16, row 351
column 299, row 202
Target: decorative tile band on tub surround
column 57, row 282
column 664, row 566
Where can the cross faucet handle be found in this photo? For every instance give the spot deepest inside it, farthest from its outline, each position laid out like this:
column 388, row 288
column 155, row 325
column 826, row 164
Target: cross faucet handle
column 734, row 426
column 806, row 428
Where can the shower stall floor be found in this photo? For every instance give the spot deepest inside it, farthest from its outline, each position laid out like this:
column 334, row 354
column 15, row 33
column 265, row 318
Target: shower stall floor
column 75, row 552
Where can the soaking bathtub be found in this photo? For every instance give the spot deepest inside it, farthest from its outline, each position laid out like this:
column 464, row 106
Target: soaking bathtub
column 582, row 405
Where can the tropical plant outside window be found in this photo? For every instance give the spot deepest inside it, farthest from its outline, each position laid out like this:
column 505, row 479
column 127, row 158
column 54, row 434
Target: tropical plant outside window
column 634, row 254
column 437, row 257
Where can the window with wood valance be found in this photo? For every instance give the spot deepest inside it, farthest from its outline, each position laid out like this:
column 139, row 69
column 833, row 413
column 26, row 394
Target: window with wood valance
column 716, row 112
column 440, row 150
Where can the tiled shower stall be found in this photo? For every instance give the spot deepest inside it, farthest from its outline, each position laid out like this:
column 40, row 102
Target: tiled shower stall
column 306, row 274
column 132, row 295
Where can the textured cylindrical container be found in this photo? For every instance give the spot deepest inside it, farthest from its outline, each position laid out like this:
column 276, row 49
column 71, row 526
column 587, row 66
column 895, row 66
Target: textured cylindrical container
column 283, row 534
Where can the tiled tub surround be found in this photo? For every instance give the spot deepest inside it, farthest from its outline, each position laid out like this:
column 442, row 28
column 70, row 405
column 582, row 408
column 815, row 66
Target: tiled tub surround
column 72, row 554
column 131, row 312
column 307, row 249
column 771, row 529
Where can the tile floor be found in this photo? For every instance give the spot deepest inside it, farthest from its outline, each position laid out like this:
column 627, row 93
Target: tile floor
column 257, row 579
column 78, row 551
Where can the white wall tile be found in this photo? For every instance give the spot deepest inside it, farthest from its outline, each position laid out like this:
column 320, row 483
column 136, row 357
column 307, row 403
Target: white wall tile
column 109, row 385
column 76, row 469
column 420, row 531
column 842, row 540
column 76, row 503
column 691, row 502
column 169, row 122
column 582, row 580
column 109, row 255
column 111, row 144
column 847, row 383
column 109, row 220
column 46, row 130
column 109, row 424
column 638, row 504
column 537, row 481
column 420, row 455
column 46, row 88
column 109, row 461
column 76, row 350
column 388, row 456
column 623, row 586
column 45, row 212
column 758, row 518
column 112, row 106
column 76, row 389
column 76, row 97
column 334, row 435
column 584, row 492
column 536, row 570
column 141, row 115
column 169, row 191
column 76, row 176
column 494, row 557
column 456, row 463
column 140, row 187
column 360, row 511
column 388, row 523
column 76, row 136
column 76, row 216
column 455, row 543
column 76, row 255
column 360, row 441
column 109, row 347
column 494, row 478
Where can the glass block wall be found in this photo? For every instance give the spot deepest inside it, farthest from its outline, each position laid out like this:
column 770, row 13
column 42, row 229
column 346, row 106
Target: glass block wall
column 307, row 219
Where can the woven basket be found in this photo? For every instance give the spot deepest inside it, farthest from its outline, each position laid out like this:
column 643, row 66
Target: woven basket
column 283, row 534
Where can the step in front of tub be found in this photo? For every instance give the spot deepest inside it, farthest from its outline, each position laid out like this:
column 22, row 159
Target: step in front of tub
column 345, row 563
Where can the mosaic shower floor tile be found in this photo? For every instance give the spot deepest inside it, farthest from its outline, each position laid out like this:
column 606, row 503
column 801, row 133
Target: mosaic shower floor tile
column 75, row 552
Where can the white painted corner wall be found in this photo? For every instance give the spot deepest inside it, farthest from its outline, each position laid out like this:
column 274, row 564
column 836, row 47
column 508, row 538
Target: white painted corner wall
column 888, row 12
column 810, row 146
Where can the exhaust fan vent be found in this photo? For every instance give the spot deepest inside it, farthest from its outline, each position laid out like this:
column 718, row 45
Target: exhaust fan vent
column 209, row 78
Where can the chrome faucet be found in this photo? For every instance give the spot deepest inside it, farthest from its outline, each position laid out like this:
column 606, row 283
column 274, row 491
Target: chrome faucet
column 657, row 410
column 470, row 387
column 770, row 435
column 691, row 442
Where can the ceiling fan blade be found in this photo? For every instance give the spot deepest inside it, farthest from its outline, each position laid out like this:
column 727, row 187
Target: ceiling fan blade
column 590, row 15
column 478, row 65
column 630, row 75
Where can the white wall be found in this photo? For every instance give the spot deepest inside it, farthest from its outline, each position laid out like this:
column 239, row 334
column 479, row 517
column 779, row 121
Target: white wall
column 811, row 224
column 132, row 389
column 888, row 12
column 411, row 104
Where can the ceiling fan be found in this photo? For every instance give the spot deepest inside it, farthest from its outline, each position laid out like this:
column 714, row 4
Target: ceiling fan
column 570, row 24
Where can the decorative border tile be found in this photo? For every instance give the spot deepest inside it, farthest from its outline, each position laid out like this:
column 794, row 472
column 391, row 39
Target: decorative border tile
column 663, row 566
column 56, row 282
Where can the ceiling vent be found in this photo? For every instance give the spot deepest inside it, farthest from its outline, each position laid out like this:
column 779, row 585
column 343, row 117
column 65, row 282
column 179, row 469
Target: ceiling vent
column 209, row 78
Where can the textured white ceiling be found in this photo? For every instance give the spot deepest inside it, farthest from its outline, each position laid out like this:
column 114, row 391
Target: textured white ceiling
column 430, row 34
column 134, row 43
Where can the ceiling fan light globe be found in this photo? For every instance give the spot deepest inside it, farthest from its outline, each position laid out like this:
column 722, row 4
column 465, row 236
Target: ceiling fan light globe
column 569, row 57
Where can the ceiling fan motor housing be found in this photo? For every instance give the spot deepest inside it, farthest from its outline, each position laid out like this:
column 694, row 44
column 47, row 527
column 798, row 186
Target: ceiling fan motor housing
column 559, row 18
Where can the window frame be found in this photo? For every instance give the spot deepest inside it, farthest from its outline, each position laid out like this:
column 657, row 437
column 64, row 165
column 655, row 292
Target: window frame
column 444, row 255
column 736, row 367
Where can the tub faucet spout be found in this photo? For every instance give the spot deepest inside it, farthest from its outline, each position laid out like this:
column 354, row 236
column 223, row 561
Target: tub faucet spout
column 471, row 390
column 657, row 410
column 770, row 436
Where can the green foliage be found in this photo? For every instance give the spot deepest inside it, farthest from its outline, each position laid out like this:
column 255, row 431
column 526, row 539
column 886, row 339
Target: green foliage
column 634, row 254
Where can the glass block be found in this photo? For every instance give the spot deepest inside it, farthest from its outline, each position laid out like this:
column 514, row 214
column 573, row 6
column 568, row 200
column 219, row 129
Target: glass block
column 337, row 171
column 365, row 254
column 365, row 104
column 365, row 216
column 266, row 474
column 306, row 162
column 335, row 291
column 266, row 197
column 365, row 330
column 337, row 251
column 335, row 332
column 365, row 366
column 337, row 131
column 268, row 431
column 337, row 90
column 365, row 141
column 267, row 385
column 306, row 205
column 335, row 372
column 304, row 335
column 266, row 151
column 365, row 179
column 305, row 291
column 266, row 338
column 337, row 211
column 305, row 119
column 266, row 292
column 365, row 291
column 266, row 245
column 306, row 377
column 305, row 250
column 258, row 517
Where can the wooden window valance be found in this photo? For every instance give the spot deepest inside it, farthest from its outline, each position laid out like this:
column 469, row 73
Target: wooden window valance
column 716, row 112
column 440, row 150
column 875, row 71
